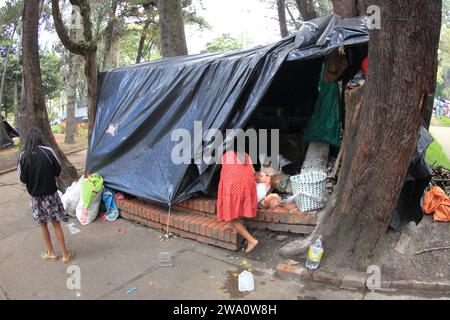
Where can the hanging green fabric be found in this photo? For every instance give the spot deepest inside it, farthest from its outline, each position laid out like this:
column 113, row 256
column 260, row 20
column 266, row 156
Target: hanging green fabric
column 325, row 124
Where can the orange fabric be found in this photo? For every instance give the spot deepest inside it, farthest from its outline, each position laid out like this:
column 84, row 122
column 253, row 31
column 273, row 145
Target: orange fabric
column 436, row 202
column 236, row 196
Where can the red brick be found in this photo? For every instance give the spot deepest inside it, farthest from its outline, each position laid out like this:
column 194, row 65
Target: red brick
column 194, row 223
column 199, row 223
column 204, row 226
column 210, row 229
column 182, row 221
column 215, row 232
column 221, row 233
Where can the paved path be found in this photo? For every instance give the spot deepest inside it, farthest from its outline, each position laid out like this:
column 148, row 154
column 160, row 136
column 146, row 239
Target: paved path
column 111, row 263
column 442, row 135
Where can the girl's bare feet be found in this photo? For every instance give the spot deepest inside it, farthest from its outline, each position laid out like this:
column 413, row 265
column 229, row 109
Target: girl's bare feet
column 251, row 246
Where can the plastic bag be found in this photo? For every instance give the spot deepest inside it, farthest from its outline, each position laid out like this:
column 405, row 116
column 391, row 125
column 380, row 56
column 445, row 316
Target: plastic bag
column 87, row 215
column 436, row 202
column 71, row 198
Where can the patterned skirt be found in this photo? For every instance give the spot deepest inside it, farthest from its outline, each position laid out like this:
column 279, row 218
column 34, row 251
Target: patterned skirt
column 48, row 209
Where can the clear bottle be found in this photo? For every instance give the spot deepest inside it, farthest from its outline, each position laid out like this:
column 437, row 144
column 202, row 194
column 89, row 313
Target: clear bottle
column 314, row 254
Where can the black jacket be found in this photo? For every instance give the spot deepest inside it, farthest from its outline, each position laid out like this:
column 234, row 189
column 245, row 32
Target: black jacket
column 39, row 173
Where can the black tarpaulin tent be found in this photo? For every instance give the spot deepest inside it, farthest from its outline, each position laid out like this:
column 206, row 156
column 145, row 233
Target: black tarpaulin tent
column 140, row 105
column 6, row 134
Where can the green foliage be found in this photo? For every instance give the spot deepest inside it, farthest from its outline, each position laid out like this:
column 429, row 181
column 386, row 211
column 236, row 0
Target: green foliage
column 443, row 76
column 129, row 44
column 52, row 79
column 225, row 42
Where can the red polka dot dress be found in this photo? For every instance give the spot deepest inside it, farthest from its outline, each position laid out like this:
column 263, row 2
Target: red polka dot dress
column 237, row 189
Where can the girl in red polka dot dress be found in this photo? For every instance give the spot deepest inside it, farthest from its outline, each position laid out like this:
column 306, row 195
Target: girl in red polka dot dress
column 237, row 194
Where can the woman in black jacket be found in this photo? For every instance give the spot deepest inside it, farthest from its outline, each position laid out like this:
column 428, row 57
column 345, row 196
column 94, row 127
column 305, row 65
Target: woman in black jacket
column 38, row 167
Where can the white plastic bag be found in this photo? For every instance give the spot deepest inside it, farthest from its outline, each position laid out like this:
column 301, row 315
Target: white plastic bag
column 87, row 215
column 71, row 198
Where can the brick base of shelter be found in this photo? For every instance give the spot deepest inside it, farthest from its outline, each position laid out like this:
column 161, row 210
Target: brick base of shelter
column 196, row 219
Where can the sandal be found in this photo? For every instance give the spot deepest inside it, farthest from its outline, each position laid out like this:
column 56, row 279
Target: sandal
column 47, row 257
column 70, row 256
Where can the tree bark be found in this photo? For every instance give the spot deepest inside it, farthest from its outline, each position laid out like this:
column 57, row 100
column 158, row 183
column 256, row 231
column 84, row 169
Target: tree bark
column 345, row 8
column 5, row 68
column 142, row 40
column 86, row 48
column 15, row 102
column 71, row 90
column 34, row 97
column 173, row 38
column 111, row 39
column 382, row 133
column 282, row 18
column 306, row 8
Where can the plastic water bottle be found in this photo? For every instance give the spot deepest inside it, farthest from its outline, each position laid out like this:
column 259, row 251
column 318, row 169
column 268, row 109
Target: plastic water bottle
column 314, row 254
column 246, row 282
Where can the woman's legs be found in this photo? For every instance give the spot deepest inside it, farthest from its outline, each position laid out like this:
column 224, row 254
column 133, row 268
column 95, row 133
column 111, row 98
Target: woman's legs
column 60, row 238
column 242, row 230
column 46, row 237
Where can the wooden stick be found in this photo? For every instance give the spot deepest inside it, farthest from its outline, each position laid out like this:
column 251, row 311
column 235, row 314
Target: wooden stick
column 336, row 164
column 432, row 249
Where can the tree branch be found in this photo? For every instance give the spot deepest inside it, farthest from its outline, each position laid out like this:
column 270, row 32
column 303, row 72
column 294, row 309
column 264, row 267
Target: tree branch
column 62, row 32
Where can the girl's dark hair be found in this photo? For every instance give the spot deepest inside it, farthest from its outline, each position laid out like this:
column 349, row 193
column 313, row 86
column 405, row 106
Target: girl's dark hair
column 34, row 139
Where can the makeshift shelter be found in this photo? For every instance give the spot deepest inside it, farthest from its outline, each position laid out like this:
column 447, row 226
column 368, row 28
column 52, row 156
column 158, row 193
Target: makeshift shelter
column 139, row 106
column 7, row 133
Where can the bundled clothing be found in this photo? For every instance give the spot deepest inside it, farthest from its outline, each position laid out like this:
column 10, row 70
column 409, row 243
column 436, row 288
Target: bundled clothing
column 38, row 174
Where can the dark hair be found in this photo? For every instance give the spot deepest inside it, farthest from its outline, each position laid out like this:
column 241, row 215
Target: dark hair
column 34, row 139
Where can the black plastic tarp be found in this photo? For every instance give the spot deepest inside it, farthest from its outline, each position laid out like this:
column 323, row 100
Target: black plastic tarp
column 6, row 134
column 140, row 105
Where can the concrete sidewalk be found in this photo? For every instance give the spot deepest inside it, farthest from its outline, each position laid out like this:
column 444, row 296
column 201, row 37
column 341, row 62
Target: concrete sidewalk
column 111, row 262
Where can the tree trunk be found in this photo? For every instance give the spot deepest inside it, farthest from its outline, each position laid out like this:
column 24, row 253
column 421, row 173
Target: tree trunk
column 173, row 39
column 306, row 8
column 109, row 58
column 86, row 48
column 15, row 102
column 71, row 90
column 142, row 40
column 382, row 132
column 5, row 68
column 35, row 102
column 282, row 18
column 345, row 8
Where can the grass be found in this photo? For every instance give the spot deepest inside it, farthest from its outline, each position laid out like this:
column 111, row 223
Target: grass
column 436, row 156
column 440, row 122
column 56, row 128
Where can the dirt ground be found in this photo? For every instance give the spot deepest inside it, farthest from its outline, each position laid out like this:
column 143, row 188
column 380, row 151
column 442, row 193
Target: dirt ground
column 427, row 266
column 8, row 157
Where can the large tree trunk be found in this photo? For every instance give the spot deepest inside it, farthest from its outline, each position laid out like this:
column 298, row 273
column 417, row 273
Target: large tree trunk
column 35, row 102
column 173, row 39
column 86, row 48
column 71, row 90
column 382, row 133
column 282, row 18
column 111, row 39
column 345, row 8
column 306, row 8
